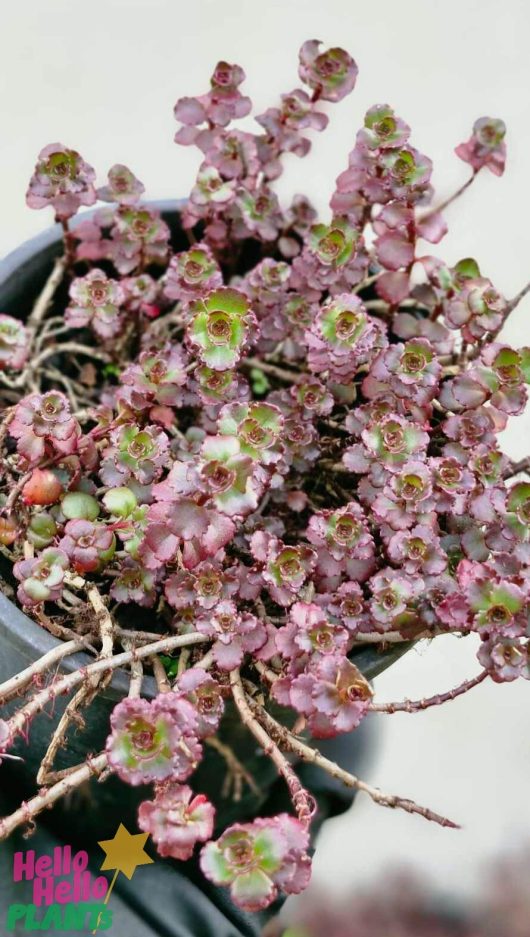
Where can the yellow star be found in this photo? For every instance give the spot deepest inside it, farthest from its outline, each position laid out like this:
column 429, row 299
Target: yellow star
column 125, row 852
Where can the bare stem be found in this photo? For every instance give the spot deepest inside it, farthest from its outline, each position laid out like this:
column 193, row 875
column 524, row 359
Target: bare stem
column 137, row 676
column 517, row 299
column 85, row 695
column 18, row 722
column 237, row 774
column 27, row 812
column 21, row 680
column 69, row 243
column 40, row 308
column 303, row 802
column 47, row 293
column 105, row 623
column 313, row 756
column 388, row 637
column 9, row 415
column 414, row 706
column 364, row 284
column 282, row 374
column 61, row 631
column 71, row 714
column 184, row 657
column 145, row 636
column 452, row 198
column 206, row 661
column 266, row 672
column 161, row 677
column 523, row 465
column 74, row 348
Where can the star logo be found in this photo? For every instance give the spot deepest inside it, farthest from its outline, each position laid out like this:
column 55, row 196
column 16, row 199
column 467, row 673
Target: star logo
column 124, row 853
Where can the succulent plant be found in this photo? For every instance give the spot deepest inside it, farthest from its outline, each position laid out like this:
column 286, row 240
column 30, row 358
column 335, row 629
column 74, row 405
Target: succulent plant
column 274, row 448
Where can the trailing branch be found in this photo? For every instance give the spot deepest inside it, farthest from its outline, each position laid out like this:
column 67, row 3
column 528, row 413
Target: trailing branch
column 46, row 798
column 414, row 706
column 88, row 690
column 312, row 755
column 21, row 680
column 303, row 802
column 452, row 198
column 282, row 374
column 45, row 297
column 237, row 774
column 19, row 721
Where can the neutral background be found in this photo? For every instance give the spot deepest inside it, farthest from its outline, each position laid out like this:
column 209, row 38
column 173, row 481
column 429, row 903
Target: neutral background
column 103, row 76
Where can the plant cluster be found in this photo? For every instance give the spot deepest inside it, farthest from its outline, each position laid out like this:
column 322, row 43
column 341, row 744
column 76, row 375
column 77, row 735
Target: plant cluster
column 278, row 445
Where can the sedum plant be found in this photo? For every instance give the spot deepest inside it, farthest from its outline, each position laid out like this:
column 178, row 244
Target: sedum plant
column 266, row 464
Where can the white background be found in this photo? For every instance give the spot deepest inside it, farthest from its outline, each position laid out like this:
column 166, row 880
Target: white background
column 102, row 76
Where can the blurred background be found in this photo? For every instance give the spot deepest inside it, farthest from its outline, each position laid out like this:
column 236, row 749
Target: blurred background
column 102, row 77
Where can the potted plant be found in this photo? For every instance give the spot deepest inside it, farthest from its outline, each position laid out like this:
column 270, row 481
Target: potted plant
column 248, row 459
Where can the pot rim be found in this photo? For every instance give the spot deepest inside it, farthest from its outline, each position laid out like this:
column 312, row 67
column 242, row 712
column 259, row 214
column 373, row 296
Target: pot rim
column 19, row 630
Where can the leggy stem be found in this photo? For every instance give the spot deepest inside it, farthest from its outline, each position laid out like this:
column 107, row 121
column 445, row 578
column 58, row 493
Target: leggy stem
column 21, row 680
column 266, row 672
column 313, row 756
column 205, row 662
column 161, row 677
column 46, row 798
column 74, row 348
column 106, row 625
column 71, row 714
column 69, row 243
column 44, row 299
column 388, row 637
column 452, row 198
column 282, row 374
column 18, row 722
column 236, row 772
column 523, row 465
column 302, row 801
column 137, row 676
column 87, row 691
column 414, row 706
column 517, row 299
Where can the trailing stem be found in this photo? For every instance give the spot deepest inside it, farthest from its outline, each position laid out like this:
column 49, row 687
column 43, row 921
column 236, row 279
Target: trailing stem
column 414, row 706
column 31, row 674
column 282, row 374
column 45, row 297
column 27, row 812
column 452, row 198
column 303, row 802
column 236, row 775
column 88, row 690
column 313, row 756
column 19, row 721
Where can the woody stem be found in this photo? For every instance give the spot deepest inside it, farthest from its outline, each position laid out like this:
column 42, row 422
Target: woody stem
column 302, row 801
column 311, row 755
